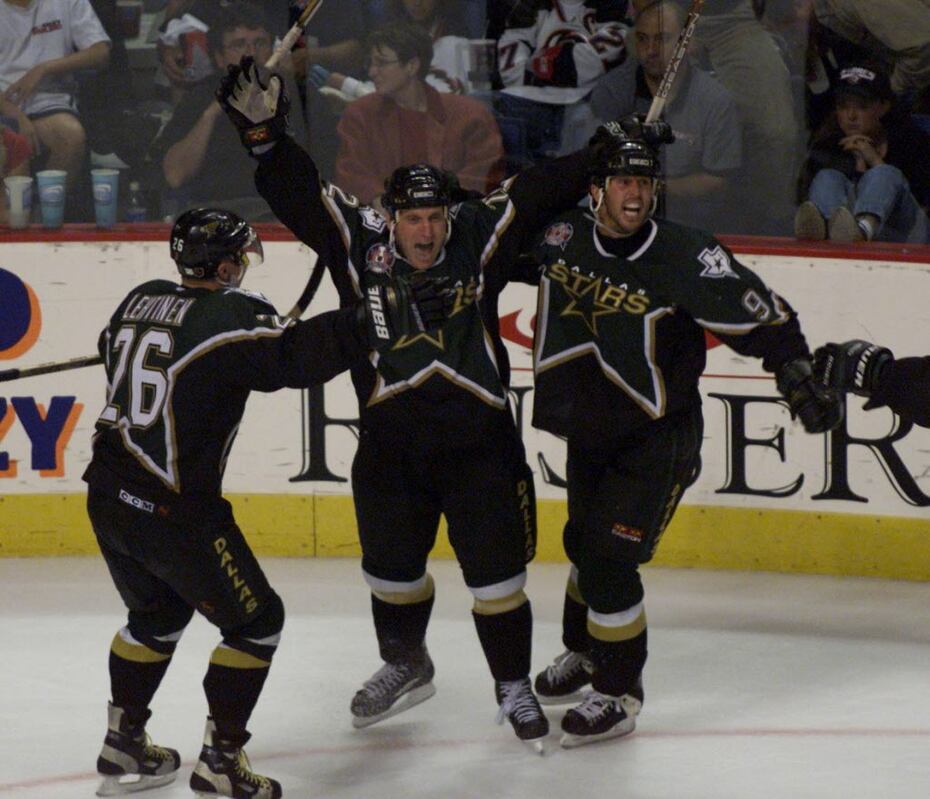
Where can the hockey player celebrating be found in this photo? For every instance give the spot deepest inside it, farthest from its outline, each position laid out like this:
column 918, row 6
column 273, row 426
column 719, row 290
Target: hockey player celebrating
column 872, row 371
column 181, row 361
column 624, row 302
column 437, row 434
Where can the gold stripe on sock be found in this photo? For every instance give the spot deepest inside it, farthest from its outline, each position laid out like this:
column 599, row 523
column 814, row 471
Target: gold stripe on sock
column 408, row 597
column 492, row 607
column 236, row 659
column 624, row 633
column 137, row 653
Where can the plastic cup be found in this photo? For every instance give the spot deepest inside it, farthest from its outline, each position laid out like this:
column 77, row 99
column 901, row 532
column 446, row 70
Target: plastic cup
column 52, row 196
column 129, row 17
column 18, row 190
column 106, row 193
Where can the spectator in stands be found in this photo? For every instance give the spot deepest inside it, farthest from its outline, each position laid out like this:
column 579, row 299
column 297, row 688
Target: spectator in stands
column 15, row 152
column 41, row 48
column 406, row 121
column 745, row 58
column 702, row 162
column 867, row 174
column 895, row 31
column 550, row 55
column 203, row 162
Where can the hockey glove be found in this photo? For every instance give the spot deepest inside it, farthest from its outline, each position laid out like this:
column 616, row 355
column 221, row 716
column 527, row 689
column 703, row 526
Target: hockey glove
column 819, row 408
column 633, row 126
column 407, row 305
column 854, row 366
column 255, row 102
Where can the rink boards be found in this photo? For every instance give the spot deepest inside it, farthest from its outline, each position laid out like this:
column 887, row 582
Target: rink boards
column 769, row 496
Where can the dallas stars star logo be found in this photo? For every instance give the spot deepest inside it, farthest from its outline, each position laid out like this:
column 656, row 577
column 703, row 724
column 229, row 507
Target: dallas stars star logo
column 437, row 340
column 585, row 303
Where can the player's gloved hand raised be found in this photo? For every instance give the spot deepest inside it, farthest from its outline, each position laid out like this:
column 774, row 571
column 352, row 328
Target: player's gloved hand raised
column 819, row 408
column 854, row 366
column 414, row 304
column 255, row 101
column 633, row 126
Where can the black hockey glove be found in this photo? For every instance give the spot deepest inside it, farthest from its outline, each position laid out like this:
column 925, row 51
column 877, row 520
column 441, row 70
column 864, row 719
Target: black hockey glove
column 407, row 305
column 633, row 126
column 854, row 366
column 819, row 408
column 255, row 102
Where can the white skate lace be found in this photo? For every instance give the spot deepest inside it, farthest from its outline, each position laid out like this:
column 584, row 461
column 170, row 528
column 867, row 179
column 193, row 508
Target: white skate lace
column 517, row 699
column 387, row 679
column 244, row 771
column 564, row 666
column 154, row 752
column 595, row 705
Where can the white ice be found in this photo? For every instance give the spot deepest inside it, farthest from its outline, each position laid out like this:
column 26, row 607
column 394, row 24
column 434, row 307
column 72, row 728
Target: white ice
column 758, row 685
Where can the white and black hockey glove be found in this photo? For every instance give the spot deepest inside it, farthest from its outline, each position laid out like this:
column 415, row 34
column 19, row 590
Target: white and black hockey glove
column 633, row 126
column 255, row 101
column 415, row 304
column 819, row 407
column 854, row 366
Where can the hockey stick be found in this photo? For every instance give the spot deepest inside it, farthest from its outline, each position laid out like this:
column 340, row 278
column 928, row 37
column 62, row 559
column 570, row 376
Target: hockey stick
column 48, row 368
column 684, row 39
column 294, row 33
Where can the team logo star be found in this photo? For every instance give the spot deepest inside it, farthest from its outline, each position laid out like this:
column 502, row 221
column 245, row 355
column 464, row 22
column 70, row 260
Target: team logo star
column 437, row 340
column 585, row 303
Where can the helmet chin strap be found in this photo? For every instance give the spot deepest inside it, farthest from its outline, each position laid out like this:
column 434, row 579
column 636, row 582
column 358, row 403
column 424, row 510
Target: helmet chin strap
column 233, row 283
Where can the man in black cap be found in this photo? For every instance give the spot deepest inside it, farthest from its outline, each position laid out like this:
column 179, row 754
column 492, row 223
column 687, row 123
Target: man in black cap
column 867, row 175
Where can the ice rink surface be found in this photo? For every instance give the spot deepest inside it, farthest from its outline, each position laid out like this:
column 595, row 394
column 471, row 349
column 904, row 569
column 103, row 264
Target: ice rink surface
column 758, row 686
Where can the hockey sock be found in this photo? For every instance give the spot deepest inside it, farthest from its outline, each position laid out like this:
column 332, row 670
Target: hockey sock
column 505, row 629
column 136, row 671
column 233, row 684
column 401, row 621
column 575, row 619
column 618, row 665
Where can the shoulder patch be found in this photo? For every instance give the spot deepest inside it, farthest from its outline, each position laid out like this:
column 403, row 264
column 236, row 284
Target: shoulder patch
column 372, row 219
column 379, row 259
column 716, row 263
column 559, row 234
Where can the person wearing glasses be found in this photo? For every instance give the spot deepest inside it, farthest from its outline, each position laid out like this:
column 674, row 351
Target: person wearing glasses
column 202, row 162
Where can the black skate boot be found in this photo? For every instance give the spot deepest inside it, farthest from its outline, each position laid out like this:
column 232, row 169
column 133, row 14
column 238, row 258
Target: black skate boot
column 519, row 705
column 129, row 761
column 394, row 688
column 600, row 717
column 565, row 680
column 224, row 770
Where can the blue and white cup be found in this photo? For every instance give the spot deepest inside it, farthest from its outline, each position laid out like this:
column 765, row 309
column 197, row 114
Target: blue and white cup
column 106, row 194
column 52, row 196
column 18, row 189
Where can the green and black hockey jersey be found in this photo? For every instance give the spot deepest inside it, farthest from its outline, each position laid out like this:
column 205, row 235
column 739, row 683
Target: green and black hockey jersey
column 180, row 365
column 454, row 379
column 620, row 330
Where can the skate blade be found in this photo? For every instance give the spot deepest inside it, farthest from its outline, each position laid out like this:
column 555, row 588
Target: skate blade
column 571, row 741
column 537, row 746
column 573, row 698
column 407, row 701
column 131, row 783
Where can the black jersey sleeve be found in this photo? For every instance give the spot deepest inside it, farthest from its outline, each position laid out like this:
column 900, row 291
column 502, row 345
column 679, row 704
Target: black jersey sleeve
column 905, row 388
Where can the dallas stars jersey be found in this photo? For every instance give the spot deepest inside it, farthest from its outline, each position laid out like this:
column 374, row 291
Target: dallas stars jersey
column 553, row 51
column 456, row 376
column 180, row 365
column 620, row 323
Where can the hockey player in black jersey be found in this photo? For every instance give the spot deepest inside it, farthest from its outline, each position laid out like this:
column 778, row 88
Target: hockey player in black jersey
column 624, row 301
column 181, row 361
column 437, row 435
column 866, row 369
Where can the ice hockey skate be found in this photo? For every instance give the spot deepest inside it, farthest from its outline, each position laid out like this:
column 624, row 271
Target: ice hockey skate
column 566, row 680
column 518, row 704
column 394, row 688
column 129, row 761
column 600, row 717
column 224, row 770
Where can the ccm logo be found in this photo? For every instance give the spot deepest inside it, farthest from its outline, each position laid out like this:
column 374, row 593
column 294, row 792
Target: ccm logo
column 138, row 504
column 376, row 309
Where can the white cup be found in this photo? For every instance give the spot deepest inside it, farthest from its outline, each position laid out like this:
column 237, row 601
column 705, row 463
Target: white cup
column 18, row 189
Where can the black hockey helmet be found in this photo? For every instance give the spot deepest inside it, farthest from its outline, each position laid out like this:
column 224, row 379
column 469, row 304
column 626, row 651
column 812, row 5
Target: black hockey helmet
column 204, row 237
column 419, row 186
column 624, row 156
